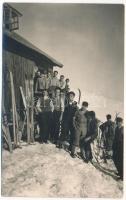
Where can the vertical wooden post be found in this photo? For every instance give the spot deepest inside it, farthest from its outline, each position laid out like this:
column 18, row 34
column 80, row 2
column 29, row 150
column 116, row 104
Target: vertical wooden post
column 27, row 111
column 13, row 108
column 32, row 110
column 17, row 127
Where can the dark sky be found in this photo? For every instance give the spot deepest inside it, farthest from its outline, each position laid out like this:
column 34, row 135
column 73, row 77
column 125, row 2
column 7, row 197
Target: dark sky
column 87, row 39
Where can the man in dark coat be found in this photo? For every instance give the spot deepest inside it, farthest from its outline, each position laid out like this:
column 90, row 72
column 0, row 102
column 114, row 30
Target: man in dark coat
column 108, row 132
column 80, row 126
column 67, row 90
column 58, row 102
column 45, row 108
column 67, row 122
column 118, row 147
column 92, row 132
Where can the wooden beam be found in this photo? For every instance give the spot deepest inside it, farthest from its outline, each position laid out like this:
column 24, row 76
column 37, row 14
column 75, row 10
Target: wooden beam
column 15, row 116
column 13, row 108
column 32, row 110
column 27, row 111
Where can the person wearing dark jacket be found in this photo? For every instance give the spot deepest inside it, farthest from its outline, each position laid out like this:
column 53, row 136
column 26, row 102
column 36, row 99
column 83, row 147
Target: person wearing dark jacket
column 80, row 126
column 108, row 132
column 58, row 103
column 67, row 122
column 37, row 75
column 118, row 147
column 92, row 132
column 67, row 90
column 45, row 108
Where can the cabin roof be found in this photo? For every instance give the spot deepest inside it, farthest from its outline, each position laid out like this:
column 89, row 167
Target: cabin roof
column 16, row 37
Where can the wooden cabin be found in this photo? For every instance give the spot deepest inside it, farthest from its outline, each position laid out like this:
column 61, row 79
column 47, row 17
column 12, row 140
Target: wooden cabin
column 20, row 57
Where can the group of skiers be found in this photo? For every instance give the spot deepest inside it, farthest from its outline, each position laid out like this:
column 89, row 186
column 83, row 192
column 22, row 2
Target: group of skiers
column 61, row 120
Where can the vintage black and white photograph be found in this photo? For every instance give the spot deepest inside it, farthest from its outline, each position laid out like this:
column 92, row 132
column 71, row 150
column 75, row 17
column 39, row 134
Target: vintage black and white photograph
column 62, row 115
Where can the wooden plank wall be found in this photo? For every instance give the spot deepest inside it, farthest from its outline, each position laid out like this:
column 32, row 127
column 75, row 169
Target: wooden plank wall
column 20, row 68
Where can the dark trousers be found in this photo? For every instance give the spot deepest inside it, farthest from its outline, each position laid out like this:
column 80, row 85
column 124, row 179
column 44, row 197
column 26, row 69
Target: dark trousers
column 55, row 125
column 67, row 132
column 86, row 151
column 45, row 120
column 118, row 161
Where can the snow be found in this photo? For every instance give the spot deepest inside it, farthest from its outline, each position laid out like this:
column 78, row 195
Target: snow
column 42, row 170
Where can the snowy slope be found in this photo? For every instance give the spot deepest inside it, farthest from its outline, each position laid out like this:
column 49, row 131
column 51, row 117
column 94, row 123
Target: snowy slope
column 45, row 171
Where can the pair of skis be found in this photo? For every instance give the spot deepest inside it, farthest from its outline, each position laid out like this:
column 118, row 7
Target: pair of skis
column 29, row 110
column 14, row 114
column 6, row 131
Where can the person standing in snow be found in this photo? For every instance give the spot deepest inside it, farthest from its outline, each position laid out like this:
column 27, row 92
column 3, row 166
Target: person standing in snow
column 45, row 108
column 58, row 103
column 67, row 122
column 80, row 126
column 118, row 146
column 108, row 132
column 92, row 132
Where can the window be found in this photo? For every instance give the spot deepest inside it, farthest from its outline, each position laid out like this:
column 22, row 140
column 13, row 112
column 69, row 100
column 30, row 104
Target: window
column 10, row 18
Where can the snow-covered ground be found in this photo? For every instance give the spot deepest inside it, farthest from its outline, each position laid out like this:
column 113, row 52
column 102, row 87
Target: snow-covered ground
column 42, row 170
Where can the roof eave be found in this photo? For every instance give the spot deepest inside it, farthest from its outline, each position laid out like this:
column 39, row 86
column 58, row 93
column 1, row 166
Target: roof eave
column 31, row 46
